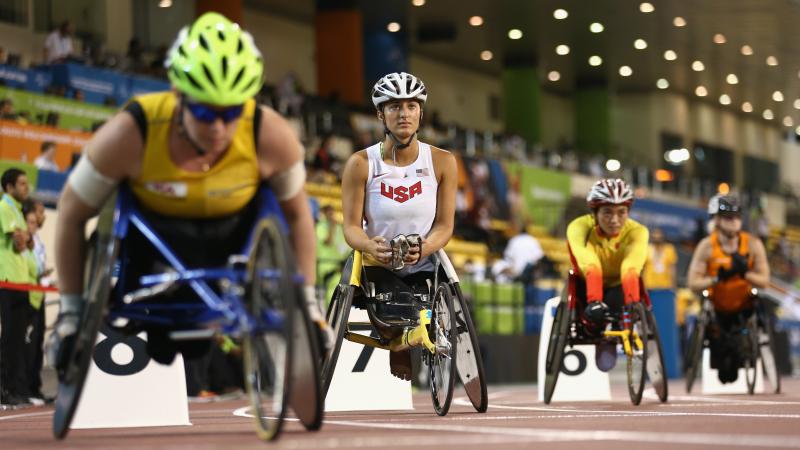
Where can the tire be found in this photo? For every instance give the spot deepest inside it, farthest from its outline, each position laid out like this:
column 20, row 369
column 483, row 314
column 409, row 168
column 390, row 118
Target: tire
column 268, row 348
column 750, row 354
column 637, row 361
column 337, row 316
column 443, row 332
column 656, row 370
column 694, row 351
column 306, row 399
column 766, row 339
column 555, row 348
column 102, row 252
column 469, row 361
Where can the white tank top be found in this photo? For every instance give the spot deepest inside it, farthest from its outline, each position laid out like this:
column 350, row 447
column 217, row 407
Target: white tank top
column 401, row 200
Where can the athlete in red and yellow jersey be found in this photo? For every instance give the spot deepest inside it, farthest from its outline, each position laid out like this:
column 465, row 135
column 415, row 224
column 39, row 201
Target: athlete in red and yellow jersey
column 729, row 262
column 608, row 249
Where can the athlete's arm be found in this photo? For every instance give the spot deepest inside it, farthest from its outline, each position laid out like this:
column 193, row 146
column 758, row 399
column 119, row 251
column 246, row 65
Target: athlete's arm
column 444, row 164
column 759, row 274
column 586, row 259
column 698, row 278
column 115, row 152
column 354, row 182
column 633, row 262
column 279, row 150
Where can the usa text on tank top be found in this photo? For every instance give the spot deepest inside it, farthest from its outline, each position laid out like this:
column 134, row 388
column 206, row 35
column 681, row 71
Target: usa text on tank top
column 400, row 199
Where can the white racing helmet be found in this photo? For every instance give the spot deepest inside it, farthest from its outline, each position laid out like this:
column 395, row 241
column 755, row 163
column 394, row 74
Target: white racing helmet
column 397, row 86
column 610, row 191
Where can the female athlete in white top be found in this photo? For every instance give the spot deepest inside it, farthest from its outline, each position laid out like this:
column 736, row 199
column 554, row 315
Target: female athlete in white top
column 399, row 186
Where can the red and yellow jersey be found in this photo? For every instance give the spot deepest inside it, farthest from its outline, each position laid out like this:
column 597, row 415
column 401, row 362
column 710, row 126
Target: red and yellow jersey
column 608, row 260
column 733, row 294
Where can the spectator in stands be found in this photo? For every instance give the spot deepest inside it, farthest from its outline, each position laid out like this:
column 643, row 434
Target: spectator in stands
column 522, row 253
column 47, row 160
column 133, row 61
column 52, row 119
column 290, row 96
column 3, row 55
column 7, row 110
column 157, row 65
column 659, row 271
column 36, row 259
column 324, row 160
column 58, row 45
column 78, row 96
column 13, row 304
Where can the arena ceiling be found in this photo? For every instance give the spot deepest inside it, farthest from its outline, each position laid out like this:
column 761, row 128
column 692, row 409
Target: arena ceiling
column 736, row 52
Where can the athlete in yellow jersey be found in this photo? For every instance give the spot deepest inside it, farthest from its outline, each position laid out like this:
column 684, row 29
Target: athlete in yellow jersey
column 608, row 250
column 194, row 158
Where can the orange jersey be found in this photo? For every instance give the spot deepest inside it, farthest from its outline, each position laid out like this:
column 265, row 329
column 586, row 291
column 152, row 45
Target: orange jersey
column 733, row 294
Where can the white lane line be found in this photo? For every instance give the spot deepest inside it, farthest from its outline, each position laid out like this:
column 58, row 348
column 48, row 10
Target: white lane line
column 647, row 413
column 549, row 434
column 20, row 416
column 742, row 401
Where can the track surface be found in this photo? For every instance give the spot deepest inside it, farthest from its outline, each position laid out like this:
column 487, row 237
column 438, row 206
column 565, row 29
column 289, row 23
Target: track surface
column 515, row 420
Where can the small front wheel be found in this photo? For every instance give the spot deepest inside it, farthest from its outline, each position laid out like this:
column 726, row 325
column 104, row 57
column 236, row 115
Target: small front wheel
column 443, row 333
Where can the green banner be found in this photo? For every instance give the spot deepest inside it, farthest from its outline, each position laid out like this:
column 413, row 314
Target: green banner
column 545, row 193
column 73, row 115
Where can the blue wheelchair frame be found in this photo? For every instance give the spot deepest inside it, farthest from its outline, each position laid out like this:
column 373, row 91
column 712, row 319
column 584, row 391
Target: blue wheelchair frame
column 225, row 311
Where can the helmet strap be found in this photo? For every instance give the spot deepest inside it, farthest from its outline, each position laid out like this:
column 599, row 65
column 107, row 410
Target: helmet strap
column 185, row 134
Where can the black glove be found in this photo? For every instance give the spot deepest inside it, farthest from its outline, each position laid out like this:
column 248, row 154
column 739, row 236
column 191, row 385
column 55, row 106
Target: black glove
column 725, row 274
column 739, row 264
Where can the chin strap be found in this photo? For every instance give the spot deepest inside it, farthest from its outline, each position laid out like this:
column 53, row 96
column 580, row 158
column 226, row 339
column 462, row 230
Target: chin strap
column 182, row 131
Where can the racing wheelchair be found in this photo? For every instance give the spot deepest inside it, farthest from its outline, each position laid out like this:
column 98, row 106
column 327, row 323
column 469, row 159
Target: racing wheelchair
column 437, row 321
column 748, row 336
column 256, row 299
column 634, row 327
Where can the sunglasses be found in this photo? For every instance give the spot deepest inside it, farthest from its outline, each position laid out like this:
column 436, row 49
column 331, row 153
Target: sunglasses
column 210, row 115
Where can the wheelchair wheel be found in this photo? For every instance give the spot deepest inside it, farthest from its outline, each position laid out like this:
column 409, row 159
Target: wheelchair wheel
column 637, row 361
column 443, row 333
column 766, row 338
column 337, row 316
column 656, row 370
column 268, row 349
column 100, row 259
column 694, row 351
column 468, row 359
column 306, row 397
column 555, row 348
column 750, row 352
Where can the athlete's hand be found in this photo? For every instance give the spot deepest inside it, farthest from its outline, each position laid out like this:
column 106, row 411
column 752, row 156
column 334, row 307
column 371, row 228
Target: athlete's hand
column 379, row 250
column 414, row 253
column 739, row 264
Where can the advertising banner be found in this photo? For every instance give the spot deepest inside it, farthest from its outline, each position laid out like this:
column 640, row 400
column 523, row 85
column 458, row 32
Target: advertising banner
column 678, row 222
column 72, row 114
column 23, row 142
column 543, row 194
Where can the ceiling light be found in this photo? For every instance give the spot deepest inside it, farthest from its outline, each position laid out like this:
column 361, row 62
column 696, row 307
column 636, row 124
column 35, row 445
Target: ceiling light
column 514, row 34
column 640, row 44
column 797, row 104
column 725, row 99
column 679, row 22
column 777, row 96
column 732, row 78
column 698, row 66
column 613, row 165
column 747, row 50
column 553, row 75
column 646, row 7
column 719, row 38
column 772, row 61
column 418, row 2
column 670, row 55
column 486, row 55
column 662, row 83
column 787, row 121
column 595, row 60
column 560, row 14
column 562, row 49
column 767, row 114
column 165, row 3
column 747, row 107
column 701, row 91
column 476, row 21
column 625, row 71
column 393, row 27
column 596, row 27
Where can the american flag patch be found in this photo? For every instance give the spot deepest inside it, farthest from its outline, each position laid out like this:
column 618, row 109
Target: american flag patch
column 423, row 172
